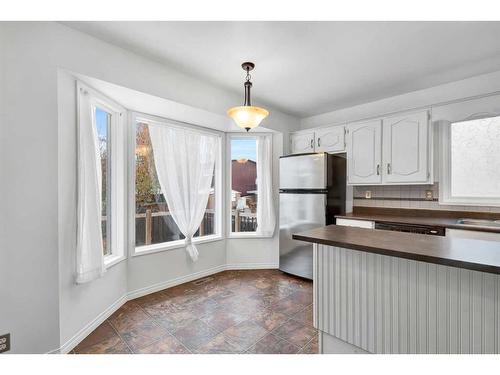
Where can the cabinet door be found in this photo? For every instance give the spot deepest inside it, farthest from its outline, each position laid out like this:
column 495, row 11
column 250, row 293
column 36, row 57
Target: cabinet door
column 364, row 149
column 330, row 139
column 406, row 150
column 301, row 143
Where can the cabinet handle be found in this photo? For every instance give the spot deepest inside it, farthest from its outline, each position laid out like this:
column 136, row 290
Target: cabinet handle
column 312, row 143
column 389, row 168
column 378, row 169
column 319, row 142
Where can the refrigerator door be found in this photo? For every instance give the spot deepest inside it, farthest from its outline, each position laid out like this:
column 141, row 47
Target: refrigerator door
column 303, row 171
column 298, row 213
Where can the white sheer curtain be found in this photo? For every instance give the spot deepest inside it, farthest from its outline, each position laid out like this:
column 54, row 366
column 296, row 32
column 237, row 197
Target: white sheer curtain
column 185, row 163
column 266, row 219
column 89, row 249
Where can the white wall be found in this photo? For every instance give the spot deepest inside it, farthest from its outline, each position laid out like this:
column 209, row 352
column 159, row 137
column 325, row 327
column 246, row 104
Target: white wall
column 28, row 190
column 41, row 307
column 479, row 85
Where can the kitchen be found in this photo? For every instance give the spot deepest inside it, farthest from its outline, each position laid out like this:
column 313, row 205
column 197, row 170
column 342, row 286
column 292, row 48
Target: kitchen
column 412, row 267
column 309, row 188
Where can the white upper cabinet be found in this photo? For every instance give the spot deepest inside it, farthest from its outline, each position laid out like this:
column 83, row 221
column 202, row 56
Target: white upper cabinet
column 364, row 153
column 395, row 150
column 405, row 148
column 301, row 143
column 330, row 139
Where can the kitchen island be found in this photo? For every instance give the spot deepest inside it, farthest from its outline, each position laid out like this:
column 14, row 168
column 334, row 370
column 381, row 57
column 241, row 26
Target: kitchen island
column 391, row 292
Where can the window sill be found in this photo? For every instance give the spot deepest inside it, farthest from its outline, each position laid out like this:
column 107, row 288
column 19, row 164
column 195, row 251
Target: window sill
column 156, row 248
column 241, row 235
column 111, row 260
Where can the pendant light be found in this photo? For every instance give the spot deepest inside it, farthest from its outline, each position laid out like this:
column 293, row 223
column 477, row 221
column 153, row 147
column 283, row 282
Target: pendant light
column 247, row 116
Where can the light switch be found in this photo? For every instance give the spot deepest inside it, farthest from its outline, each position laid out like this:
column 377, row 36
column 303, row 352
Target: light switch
column 368, row 194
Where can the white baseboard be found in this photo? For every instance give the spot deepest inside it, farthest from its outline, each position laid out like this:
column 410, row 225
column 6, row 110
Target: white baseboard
column 173, row 282
column 85, row 331
column 251, row 266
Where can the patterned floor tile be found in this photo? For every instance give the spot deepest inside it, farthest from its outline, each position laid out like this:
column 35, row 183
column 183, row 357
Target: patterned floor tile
column 223, row 318
column 195, row 334
column 150, row 299
column 101, row 333
column 114, row 345
column 218, row 345
column 269, row 319
column 303, row 296
column 288, row 305
column 165, row 345
column 228, row 312
column 173, row 321
column 305, row 316
column 127, row 316
column 142, row 333
column 244, row 334
column 297, row 333
column 203, row 307
column 312, row 347
column 272, row 344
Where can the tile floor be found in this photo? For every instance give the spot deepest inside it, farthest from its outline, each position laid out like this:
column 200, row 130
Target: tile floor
column 254, row 311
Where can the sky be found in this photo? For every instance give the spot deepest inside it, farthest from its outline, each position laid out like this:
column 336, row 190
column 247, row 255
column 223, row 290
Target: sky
column 101, row 122
column 243, row 149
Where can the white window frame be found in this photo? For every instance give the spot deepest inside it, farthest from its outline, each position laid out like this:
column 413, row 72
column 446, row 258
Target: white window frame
column 135, row 117
column 230, row 136
column 116, row 182
column 445, row 196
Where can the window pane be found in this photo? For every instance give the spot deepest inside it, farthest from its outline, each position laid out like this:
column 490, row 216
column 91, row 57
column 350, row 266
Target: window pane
column 153, row 222
column 103, row 121
column 243, row 185
column 475, row 158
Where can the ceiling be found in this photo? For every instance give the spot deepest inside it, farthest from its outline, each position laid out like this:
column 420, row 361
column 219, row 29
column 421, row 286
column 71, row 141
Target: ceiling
column 308, row 68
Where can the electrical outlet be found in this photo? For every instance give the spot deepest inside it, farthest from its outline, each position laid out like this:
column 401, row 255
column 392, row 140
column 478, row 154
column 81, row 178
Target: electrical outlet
column 429, row 195
column 368, row 194
column 5, row 343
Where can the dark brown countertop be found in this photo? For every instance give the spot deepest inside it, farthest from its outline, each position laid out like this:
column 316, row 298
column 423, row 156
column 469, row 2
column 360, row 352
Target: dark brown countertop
column 477, row 255
column 445, row 219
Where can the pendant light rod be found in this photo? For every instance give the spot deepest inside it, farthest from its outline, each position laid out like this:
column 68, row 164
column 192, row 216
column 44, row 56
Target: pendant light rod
column 248, row 66
column 248, row 86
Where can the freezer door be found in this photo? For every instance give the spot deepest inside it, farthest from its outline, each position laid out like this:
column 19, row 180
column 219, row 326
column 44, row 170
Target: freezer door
column 303, row 171
column 298, row 213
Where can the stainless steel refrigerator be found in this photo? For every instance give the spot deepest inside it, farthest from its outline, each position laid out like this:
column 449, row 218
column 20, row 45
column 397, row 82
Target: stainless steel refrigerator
column 312, row 192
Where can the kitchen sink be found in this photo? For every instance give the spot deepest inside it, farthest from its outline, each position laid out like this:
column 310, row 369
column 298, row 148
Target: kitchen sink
column 479, row 222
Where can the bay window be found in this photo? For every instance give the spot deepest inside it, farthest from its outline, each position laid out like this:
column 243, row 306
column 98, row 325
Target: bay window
column 154, row 226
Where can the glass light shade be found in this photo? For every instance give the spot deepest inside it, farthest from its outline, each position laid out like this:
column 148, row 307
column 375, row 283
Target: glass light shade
column 247, row 117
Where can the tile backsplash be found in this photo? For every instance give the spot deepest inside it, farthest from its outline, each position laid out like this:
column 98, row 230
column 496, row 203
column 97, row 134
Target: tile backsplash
column 408, row 196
